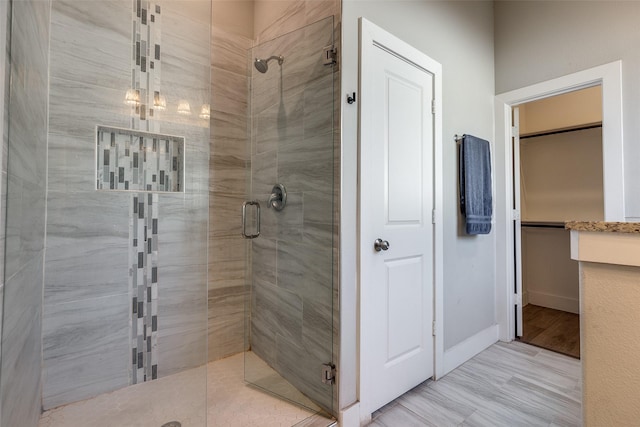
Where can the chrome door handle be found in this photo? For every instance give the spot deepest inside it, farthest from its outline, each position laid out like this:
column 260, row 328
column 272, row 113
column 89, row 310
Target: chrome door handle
column 380, row 245
column 244, row 219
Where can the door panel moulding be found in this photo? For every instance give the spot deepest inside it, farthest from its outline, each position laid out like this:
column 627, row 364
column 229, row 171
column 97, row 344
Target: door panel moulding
column 609, row 76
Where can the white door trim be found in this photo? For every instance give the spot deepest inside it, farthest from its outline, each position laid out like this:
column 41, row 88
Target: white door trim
column 371, row 35
column 610, row 77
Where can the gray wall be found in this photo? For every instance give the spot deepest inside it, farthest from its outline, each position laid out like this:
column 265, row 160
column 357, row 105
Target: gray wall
column 25, row 233
column 537, row 41
column 87, row 297
column 459, row 35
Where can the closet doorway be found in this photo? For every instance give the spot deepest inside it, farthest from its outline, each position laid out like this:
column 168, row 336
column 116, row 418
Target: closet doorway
column 559, row 157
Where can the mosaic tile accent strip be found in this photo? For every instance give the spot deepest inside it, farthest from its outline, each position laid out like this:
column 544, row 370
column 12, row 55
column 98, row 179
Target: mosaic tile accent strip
column 143, row 276
column 146, row 64
column 158, row 161
column 139, row 161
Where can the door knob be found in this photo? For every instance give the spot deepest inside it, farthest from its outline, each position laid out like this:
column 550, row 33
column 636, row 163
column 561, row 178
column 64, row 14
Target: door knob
column 380, row 245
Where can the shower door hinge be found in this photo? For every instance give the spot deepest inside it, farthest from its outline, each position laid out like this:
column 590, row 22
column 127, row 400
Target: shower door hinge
column 433, row 106
column 433, row 328
column 330, row 55
column 328, row 373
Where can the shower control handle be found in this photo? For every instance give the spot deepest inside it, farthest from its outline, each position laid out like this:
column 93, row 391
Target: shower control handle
column 380, row 245
column 278, row 198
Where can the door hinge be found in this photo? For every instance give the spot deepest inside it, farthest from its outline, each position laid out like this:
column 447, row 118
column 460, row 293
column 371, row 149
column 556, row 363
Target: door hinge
column 433, row 216
column 514, row 131
column 515, row 214
column 518, row 299
column 433, row 106
column 329, row 55
column 328, row 373
column 433, row 328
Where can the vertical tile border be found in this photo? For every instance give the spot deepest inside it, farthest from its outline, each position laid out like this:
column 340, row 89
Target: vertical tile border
column 143, row 278
column 143, row 223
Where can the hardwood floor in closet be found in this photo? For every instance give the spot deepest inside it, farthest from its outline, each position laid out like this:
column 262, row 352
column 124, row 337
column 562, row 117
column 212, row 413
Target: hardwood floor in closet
column 552, row 329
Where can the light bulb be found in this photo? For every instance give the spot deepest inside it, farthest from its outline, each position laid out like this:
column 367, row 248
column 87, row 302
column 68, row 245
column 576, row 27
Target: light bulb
column 205, row 111
column 184, row 108
column 132, row 97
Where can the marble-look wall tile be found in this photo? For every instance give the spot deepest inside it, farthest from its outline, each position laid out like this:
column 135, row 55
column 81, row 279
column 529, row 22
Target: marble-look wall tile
column 25, row 221
column 318, row 221
column 79, row 24
column 186, row 30
column 318, row 107
column 226, row 214
column 292, row 19
column 282, row 123
column 182, row 282
column 264, row 257
column 85, row 235
column 229, row 51
column 226, row 321
column 227, row 262
column 183, row 351
column 264, row 172
column 86, row 348
column 231, row 128
column 230, row 92
column 307, row 165
column 21, row 344
column 228, row 172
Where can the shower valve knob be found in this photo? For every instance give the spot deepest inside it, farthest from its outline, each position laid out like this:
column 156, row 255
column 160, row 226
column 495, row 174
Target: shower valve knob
column 380, row 245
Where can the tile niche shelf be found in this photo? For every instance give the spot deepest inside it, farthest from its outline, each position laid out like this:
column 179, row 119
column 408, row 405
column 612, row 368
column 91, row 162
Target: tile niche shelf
column 131, row 160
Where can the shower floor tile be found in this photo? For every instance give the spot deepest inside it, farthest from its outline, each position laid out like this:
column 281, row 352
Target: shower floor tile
column 181, row 397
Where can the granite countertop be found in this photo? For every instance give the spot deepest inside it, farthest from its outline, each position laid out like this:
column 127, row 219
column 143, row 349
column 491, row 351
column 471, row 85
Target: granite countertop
column 610, row 227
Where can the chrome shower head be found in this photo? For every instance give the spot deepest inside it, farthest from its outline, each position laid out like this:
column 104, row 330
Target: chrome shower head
column 262, row 65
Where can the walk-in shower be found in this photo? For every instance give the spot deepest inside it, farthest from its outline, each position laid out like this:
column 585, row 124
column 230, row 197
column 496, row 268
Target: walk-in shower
column 262, row 65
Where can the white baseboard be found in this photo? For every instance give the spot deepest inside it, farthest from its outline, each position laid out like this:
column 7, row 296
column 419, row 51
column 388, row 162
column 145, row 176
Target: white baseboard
column 350, row 417
column 460, row 353
column 572, row 305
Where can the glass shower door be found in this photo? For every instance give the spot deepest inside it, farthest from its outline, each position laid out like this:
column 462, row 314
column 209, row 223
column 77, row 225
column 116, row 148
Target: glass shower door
column 105, row 292
column 290, row 269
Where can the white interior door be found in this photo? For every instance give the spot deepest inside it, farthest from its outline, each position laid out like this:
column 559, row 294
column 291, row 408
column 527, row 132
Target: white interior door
column 396, row 206
column 517, row 226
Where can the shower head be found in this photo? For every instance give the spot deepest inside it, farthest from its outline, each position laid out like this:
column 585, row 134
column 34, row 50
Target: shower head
column 262, row 64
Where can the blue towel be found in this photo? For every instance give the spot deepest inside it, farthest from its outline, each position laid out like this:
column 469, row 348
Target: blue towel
column 475, row 184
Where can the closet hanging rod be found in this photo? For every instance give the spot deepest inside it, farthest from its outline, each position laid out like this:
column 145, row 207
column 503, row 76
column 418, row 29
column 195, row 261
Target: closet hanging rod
column 555, row 132
column 542, row 225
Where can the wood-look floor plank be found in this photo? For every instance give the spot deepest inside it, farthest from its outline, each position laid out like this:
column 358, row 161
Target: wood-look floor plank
column 552, row 329
column 508, row 384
